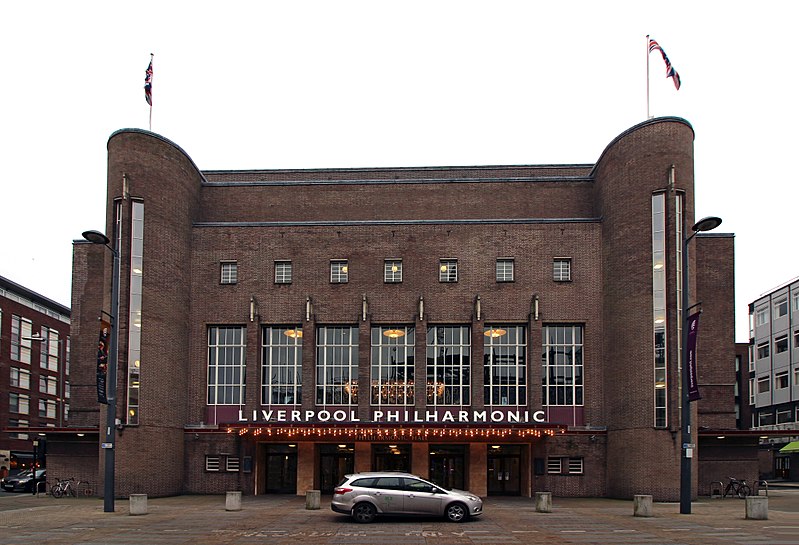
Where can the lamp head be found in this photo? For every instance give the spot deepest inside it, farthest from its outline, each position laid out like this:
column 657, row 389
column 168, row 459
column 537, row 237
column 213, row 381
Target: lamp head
column 96, row 237
column 706, row 224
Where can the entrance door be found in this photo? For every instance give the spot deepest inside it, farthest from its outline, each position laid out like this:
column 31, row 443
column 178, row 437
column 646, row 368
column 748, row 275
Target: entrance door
column 447, row 466
column 281, row 469
column 504, row 470
column 335, row 461
column 391, row 457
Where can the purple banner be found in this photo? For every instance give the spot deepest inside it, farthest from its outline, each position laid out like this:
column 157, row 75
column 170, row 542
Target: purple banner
column 102, row 362
column 693, row 377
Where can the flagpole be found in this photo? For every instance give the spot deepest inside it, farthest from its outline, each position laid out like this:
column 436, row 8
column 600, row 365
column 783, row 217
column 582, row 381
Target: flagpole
column 153, row 76
column 647, row 76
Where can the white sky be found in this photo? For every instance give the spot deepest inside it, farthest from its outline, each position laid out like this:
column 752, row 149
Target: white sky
column 308, row 84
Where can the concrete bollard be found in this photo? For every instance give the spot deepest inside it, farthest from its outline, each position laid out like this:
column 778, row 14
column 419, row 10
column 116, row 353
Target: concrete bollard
column 642, row 505
column 233, row 500
column 138, row 504
column 757, row 507
column 313, row 499
column 543, row 502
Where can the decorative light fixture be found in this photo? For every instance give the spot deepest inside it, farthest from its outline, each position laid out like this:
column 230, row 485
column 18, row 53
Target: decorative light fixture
column 394, row 333
column 293, row 333
column 495, row 332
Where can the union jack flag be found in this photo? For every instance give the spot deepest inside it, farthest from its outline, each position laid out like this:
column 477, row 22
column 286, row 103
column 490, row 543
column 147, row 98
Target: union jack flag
column 148, row 83
column 670, row 71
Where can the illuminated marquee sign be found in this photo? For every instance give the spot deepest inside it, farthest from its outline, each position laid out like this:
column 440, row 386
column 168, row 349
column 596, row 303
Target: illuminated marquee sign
column 396, row 416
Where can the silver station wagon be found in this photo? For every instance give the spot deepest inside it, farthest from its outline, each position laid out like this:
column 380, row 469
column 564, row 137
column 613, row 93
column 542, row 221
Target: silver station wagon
column 365, row 495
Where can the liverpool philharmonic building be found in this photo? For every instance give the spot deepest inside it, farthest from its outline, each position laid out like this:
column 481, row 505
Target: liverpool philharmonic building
column 506, row 329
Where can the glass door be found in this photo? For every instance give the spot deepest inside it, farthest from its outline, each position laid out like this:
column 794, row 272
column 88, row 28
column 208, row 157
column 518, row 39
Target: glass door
column 335, row 461
column 447, row 466
column 281, row 469
column 504, row 470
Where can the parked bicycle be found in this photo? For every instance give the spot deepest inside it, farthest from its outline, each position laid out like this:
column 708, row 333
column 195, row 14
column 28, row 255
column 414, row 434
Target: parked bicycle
column 737, row 488
column 69, row 487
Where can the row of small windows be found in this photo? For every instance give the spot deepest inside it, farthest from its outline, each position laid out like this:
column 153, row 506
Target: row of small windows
column 780, row 309
column 780, row 416
column 392, row 271
column 781, row 382
column 780, row 345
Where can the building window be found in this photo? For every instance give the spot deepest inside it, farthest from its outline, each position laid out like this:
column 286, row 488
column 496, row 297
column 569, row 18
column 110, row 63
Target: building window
column 282, row 272
column 762, row 351
column 761, row 316
column 448, row 365
column 448, row 270
column 659, row 310
column 781, row 344
column 48, row 385
column 47, row 408
column 48, row 354
column 562, row 372
column 575, row 466
column 392, row 365
column 784, row 415
column 281, row 367
column 554, row 466
column 763, row 385
column 796, row 339
column 781, row 380
column 21, row 329
column 20, row 378
column 392, row 271
column 226, row 365
column 135, row 311
column 765, row 419
column 339, row 271
column 781, row 308
column 212, row 463
column 19, row 403
column 505, row 365
column 751, row 357
column 15, row 423
column 562, row 269
column 505, row 269
column 795, row 299
column 229, row 272
column 751, row 391
column 337, row 365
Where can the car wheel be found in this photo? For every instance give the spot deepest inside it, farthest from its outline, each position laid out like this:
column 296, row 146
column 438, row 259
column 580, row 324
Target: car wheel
column 457, row 512
column 364, row 512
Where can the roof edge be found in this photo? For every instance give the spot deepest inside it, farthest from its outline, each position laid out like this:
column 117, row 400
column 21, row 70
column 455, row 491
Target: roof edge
column 162, row 139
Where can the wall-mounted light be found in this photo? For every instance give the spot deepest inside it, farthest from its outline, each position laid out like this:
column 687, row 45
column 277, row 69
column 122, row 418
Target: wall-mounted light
column 421, row 308
column 535, row 307
column 308, row 309
column 477, row 307
column 253, row 308
column 364, row 307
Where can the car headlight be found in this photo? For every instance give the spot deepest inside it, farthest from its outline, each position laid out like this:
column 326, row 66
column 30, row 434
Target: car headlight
column 472, row 498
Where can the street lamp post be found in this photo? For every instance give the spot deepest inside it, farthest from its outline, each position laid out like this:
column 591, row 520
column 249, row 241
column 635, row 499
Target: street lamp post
column 96, row 237
column 705, row 224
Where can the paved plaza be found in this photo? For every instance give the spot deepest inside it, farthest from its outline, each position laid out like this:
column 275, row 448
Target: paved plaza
column 274, row 520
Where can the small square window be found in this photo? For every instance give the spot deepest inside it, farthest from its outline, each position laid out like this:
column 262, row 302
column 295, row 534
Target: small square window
column 796, row 339
column 562, row 269
column 448, row 270
column 232, row 463
column 505, row 269
column 282, row 272
column 781, row 308
column 762, row 316
column 229, row 272
column 339, row 271
column 781, row 381
column 762, row 351
column 763, row 385
column 554, row 466
column 392, row 271
column 575, row 466
column 781, row 344
column 212, row 463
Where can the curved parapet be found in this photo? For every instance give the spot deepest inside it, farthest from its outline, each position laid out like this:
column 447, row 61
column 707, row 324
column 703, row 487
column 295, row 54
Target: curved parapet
column 653, row 158
column 155, row 297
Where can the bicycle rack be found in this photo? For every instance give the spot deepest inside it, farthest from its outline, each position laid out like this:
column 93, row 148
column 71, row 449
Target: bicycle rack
column 716, row 492
column 757, row 488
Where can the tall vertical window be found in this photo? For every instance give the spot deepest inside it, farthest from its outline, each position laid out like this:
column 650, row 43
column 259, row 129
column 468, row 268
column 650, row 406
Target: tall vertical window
column 337, row 365
column 48, row 355
column 562, row 357
column 226, row 365
column 659, row 309
column 21, row 329
column 392, row 365
column 795, row 299
column 562, row 269
column 449, row 351
column 281, row 366
column 135, row 316
column 679, row 233
column 392, row 271
column 339, row 271
column 505, row 365
column 448, row 270
column 283, row 272
column 229, row 272
column 505, row 269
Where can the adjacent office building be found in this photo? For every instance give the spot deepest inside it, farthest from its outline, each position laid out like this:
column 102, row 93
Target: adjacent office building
column 506, row 329
column 34, row 371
